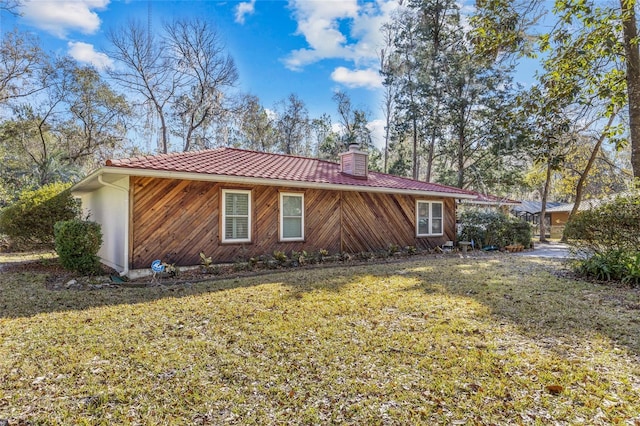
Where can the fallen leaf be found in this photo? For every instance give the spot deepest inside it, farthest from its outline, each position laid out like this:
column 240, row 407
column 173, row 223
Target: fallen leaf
column 475, row 387
column 555, row 389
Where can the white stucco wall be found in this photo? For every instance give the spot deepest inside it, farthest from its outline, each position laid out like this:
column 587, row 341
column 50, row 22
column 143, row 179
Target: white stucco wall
column 110, row 208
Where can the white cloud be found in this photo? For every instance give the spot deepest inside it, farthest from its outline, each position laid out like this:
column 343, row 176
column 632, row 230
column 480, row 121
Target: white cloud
column 375, row 126
column 377, row 132
column 369, row 78
column 243, row 9
column 85, row 53
column 61, row 17
column 342, row 29
column 271, row 114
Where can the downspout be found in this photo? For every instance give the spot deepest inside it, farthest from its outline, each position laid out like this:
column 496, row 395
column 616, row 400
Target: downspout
column 126, row 224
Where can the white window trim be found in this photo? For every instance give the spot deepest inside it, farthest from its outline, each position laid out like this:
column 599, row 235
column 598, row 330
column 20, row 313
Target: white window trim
column 224, row 216
column 281, row 214
column 430, row 203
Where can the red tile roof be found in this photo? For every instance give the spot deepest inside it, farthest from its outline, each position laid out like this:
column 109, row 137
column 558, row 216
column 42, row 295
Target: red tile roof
column 261, row 165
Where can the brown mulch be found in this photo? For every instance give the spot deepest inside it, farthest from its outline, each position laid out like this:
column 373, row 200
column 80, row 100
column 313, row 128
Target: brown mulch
column 58, row 277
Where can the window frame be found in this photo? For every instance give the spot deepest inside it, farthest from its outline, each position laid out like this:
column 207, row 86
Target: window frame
column 223, row 215
column 430, row 218
column 282, row 217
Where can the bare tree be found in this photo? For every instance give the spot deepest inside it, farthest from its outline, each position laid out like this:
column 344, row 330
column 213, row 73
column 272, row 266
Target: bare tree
column 256, row 125
column 387, row 65
column 205, row 71
column 182, row 75
column 354, row 122
column 21, row 60
column 293, row 124
column 96, row 123
column 31, row 135
column 141, row 68
column 11, row 6
column 75, row 122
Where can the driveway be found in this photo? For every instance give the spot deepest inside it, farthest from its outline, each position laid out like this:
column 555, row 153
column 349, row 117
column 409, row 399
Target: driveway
column 549, row 250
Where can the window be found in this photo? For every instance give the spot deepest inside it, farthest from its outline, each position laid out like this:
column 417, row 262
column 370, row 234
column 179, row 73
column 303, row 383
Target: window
column 291, row 217
column 429, row 218
column 236, row 216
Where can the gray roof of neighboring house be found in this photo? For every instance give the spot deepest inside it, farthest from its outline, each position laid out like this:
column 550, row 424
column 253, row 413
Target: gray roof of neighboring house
column 567, row 207
column 534, row 207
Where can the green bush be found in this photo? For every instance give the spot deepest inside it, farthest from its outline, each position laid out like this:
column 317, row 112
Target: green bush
column 494, row 229
column 618, row 265
column 609, row 239
column 77, row 244
column 29, row 221
column 611, row 226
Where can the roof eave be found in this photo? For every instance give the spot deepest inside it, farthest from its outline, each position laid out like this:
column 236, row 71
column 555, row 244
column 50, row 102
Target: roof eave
column 85, row 184
column 493, row 203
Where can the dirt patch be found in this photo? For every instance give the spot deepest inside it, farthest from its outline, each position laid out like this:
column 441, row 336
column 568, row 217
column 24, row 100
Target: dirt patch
column 49, row 266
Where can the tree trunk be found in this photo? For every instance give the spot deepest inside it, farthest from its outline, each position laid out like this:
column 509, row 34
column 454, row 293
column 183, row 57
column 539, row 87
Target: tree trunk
column 543, row 210
column 164, row 142
column 587, row 169
column 632, row 56
column 415, row 149
column 386, row 144
column 432, row 142
column 431, row 154
column 460, row 159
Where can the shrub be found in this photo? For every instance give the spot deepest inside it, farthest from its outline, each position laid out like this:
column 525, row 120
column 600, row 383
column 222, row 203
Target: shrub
column 494, row 229
column 77, row 244
column 611, row 226
column 30, row 220
column 618, row 265
column 280, row 257
column 608, row 236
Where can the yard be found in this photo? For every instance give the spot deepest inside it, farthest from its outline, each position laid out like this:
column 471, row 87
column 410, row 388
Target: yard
column 429, row 340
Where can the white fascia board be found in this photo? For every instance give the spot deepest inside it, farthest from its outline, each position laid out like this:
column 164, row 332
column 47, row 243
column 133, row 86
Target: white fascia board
column 490, row 203
column 257, row 181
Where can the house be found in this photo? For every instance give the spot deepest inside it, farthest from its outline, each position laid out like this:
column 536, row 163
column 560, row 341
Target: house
column 234, row 204
column 488, row 202
column 556, row 214
column 530, row 211
column 559, row 215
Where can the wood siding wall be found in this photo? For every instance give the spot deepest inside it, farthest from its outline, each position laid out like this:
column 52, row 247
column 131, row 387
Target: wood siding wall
column 175, row 220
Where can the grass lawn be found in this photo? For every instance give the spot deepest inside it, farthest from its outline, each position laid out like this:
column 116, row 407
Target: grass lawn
column 495, row 340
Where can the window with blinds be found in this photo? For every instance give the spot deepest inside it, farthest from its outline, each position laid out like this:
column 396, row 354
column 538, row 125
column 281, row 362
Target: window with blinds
column 291, row 216
column 236, row 216
column 429, row 218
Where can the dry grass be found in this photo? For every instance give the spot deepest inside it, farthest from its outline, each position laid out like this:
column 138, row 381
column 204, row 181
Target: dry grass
column 432, row 341
column 26, row 256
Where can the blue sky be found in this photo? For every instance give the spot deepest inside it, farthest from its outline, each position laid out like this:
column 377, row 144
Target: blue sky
column 308, row 47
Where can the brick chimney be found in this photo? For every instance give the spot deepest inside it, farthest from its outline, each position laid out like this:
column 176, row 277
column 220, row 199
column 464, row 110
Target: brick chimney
column 354, row 162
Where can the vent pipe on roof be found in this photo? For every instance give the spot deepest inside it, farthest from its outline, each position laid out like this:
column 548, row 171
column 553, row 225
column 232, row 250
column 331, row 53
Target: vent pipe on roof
column 354, row 162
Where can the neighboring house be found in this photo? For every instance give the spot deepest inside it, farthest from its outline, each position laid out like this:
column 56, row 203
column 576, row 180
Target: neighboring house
column 559, row 215
column 234, row 204
column 530, row 211
column 488, row 202
column 556, row 214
